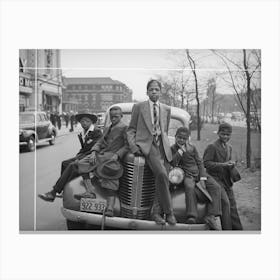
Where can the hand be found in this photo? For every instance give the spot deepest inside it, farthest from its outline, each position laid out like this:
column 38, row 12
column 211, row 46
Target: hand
column 92, row 159
column 183, row 148
column 230, row 164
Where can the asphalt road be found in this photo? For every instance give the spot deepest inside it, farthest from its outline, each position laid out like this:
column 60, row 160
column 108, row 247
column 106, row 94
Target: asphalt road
column 39, row 171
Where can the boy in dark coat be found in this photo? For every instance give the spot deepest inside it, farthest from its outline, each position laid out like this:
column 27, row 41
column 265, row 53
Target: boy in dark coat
column 185, row 155
column 218, row 163
column 88, row 139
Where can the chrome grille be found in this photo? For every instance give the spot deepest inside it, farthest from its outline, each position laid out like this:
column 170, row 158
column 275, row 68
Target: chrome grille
column 137, row 188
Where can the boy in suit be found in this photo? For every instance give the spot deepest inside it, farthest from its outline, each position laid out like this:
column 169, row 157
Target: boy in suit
column 185, row 156
column 112, row 146
column 147, row 136
column 88, row 138
column 218, row 163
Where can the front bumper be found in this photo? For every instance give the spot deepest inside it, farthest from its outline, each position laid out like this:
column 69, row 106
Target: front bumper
column 125, row 223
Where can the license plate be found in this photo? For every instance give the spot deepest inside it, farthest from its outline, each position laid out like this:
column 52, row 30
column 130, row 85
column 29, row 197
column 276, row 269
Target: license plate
column 92, row 205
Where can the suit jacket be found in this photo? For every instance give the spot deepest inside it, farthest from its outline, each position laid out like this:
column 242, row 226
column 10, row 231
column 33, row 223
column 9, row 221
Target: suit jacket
column 214, row 155
column 113, row 140
column 140, row 129
column 190, row 161
column 90, row 140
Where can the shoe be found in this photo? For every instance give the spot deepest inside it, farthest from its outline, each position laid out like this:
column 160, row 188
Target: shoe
column 158, row 219
column 211, row 222
column 49, row 196
column 85, row 195
column 170, row 218
column 191, row 220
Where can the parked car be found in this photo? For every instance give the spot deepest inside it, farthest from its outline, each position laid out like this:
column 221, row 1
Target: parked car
column 35, row 128
column 136, row 193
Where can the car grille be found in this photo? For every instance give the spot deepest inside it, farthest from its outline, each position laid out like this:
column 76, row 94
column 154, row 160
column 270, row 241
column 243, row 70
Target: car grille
column 137, row 188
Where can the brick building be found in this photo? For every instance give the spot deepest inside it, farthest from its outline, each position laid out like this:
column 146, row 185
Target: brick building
column 94, row 94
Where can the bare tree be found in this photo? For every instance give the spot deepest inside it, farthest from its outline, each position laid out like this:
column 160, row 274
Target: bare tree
column 193, row 69
column 241, row 75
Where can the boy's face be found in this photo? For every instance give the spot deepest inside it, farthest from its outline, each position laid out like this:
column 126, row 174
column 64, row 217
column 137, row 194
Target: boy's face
column 181, row 138
column 224, row 135
column 115, row 116
column 154, row 92
column 86, row 123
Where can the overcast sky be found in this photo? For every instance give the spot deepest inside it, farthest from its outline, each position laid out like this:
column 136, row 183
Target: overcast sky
column 135, row 67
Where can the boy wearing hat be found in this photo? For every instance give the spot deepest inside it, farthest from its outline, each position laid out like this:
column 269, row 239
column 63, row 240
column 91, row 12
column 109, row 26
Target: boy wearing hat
column 185, row 156
column 88, row 137
column 218, row 163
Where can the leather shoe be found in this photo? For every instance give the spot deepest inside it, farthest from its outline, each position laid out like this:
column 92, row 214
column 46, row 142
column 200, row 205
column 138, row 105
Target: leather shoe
column 191, row 220
column 170, row 218
column 49, row 196
column 85, row 195
column 211, row 222
column 158, row 219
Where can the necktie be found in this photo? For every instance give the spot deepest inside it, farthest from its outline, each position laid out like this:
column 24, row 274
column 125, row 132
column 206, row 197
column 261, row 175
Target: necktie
column 155, row 121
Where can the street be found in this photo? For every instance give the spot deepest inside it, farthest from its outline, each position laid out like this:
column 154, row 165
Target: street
column 40, row 179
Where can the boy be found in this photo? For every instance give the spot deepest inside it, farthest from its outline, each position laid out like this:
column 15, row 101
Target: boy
column 217, row 160
column 185, row 156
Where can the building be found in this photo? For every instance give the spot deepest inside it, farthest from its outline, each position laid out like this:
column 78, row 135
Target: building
column 94, row 94
column 40, row 80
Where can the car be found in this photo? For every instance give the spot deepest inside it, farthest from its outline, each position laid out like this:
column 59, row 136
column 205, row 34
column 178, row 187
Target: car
column 35, row 128
column 135, row 196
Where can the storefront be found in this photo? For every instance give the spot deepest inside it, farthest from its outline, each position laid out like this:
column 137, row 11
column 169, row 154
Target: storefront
column 25, row 91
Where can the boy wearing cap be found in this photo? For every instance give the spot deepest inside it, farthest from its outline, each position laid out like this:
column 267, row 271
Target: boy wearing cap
column 69, row 171
column 185, row 156
column 218, row 163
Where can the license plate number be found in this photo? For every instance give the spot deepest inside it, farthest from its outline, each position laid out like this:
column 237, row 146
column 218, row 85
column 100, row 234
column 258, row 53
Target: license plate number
column 92, row 205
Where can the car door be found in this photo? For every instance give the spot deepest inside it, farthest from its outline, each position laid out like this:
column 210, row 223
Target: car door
column 45, row 125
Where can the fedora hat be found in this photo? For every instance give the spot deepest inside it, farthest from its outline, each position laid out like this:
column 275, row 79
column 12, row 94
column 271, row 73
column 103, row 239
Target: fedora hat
column 109, row 169
column 81, row 115
column 202, row 194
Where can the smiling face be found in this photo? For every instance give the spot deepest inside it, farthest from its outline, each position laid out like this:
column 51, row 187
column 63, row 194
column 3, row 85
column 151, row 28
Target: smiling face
column 224, row 135
column 181, row 138
column 154, row 91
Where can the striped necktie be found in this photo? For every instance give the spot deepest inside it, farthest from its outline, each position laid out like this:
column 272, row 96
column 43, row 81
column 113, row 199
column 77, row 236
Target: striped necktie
column 155, row 121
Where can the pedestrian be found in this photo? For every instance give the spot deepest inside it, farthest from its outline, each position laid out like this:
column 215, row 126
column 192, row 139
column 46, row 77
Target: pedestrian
column 148, row 136
column 218, row 162
column 53, row 119
column 72, row 120
column 104, row 161
column 88, row 139
column 58, row 120
column 185, row 156
column 66, row 118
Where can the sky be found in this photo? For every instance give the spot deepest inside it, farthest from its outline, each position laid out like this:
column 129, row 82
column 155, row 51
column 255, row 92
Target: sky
column 136, row 67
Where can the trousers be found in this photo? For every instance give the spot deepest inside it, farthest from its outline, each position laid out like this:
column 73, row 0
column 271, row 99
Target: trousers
column 70, row 172
column 159, row 166
column 214, row 208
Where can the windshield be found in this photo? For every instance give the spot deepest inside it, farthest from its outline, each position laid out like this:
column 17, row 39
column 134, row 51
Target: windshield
column 26, row 118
